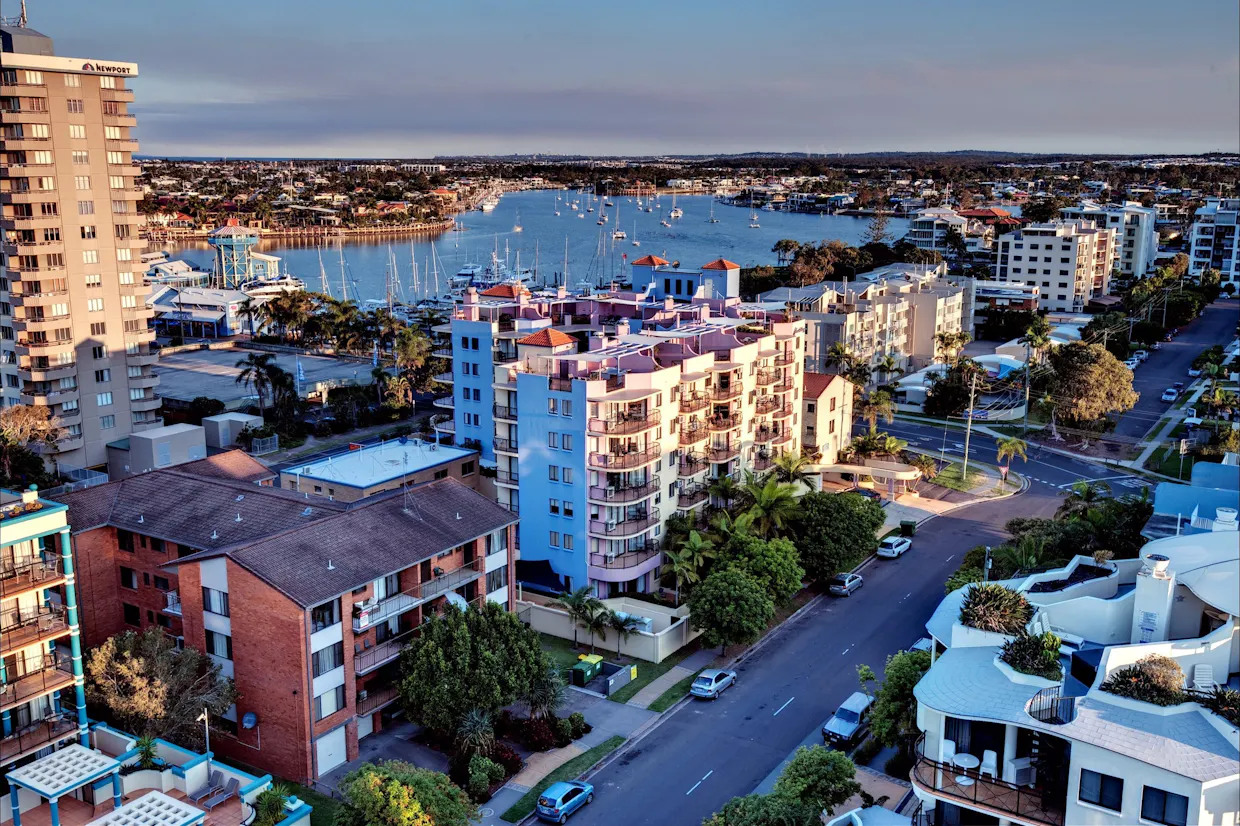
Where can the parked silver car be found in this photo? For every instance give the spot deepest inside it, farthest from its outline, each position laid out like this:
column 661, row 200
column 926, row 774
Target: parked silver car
column 850, row 722
column 711, row 683
column 843, row 585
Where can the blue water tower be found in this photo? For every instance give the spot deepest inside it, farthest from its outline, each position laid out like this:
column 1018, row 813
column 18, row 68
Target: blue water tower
column 232, row 243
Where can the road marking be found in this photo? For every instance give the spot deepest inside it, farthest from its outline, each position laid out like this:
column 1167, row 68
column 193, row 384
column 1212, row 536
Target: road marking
column 949, row 559
column 695, row 785
column 781, row 708
column 845, row 651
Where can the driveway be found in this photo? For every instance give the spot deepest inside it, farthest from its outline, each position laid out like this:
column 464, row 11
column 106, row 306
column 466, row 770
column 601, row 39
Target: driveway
column 395, row 743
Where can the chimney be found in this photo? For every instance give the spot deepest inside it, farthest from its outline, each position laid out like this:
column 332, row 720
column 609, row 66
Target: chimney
column 561, row 291
column 622, row 329
column 1154, row 598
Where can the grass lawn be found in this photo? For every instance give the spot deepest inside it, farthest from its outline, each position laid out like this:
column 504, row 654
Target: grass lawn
column 949, row 477
column 646, row 672
column 561, row 652
column 672, row 696
column 1167, row 462
column 324, row 807
column 568, row 771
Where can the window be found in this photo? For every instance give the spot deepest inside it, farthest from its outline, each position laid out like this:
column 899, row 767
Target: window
column 554, row 506
column 86, row 207
column 103, row 399
column 81, row 157
column 124, row 254
column 329, row 702
column 467, row 468
column 566, row 407
column 129, row 302
column 116, row 182
column 107, row 422
column 116, row 158
column 553, row 406
column 81, row 181
column 124, row 540
column 129, row 579
column 44, row 184
column 75, row 106
column 107, row 82
column 568, row 541
column 328, row 659
column 102, row 376
column 94, row 305
column 88, row 232
column 1102, row 790
column 112, row 133
column 566, row 441
column 566, row 475
column 132, row 615
column 73, row 81
column 568, row 508
column 98, row 328
column 219, row 644
column 497, row 579
column 94, row 280
column 136, row 394
column 77, row 131
column 325, row 615
column 554, row 539
column 553, row 440
column 215, row 602
column 1164, row 807
column 553, row 473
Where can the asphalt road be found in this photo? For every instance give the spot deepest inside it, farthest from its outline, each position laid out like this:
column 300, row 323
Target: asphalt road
column 705, row 753
column 1170, row 364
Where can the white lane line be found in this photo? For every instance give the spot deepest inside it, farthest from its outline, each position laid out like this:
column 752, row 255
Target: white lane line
column 845, row 651
column 949, row 559
column 695, row 785
column 781, row 708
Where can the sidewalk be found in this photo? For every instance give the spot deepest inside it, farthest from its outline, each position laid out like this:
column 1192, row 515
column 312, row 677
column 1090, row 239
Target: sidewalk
column 690, row 665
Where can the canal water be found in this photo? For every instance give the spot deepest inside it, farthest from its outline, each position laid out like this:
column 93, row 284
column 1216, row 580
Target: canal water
column 592, row 254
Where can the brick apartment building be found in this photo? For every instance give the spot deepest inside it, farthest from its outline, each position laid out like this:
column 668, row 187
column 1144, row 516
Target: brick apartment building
column 304, row 602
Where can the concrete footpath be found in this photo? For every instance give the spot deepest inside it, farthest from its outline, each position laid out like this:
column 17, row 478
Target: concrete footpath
column 690, row 665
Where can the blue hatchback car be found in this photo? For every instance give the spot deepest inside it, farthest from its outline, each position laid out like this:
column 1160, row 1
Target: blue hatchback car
column 560, row 800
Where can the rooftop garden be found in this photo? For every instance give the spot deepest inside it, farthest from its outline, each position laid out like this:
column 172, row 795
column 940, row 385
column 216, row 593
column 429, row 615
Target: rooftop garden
column 1081, row 573
column 1037, row 656
column 1160, row 680
column 989, row 606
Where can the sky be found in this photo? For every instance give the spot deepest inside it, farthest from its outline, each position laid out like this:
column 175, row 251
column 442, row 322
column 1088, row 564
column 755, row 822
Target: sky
column 410, row 78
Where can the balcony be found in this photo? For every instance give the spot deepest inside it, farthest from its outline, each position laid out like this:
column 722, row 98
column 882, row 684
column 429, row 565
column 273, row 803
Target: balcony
column 380, row 654
column 151, row 402
column 42, row 573
column 722, row 453
column 724, row 423
column 375, row 700
column 767, row 404
column 623, row 425
column 412, row 597
column 37, row 736
column 763, row 460
column 763, row 435
column 996, row 797
column 172, row 603
column 692, row 495
column 141, row 359
column 623, row 458
column 782, row 412
column 622, row 560
column 506, row 477
column 619, row 494
column 49, row 372
column 766, row 378
column 22, row 627
column 504, row 412
column 146, row 424
column 444, row 378
column 732, row 391
column 691, row 465
column 691, row 403
column 782, row 438
column 693, row 433
column 506, row 445
column 630, row 526
column 442, row 353
column 445, row 402
column 785, row 358
column 54, row 673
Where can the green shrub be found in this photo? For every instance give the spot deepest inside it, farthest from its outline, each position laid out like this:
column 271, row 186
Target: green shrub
column 1225, row 702
column 989, row 606
column 1154, row 679
column 867, row 751
column 579, row 724
column 1038, row 656
column 962, row 577
column 269, row 805
column 563, row 732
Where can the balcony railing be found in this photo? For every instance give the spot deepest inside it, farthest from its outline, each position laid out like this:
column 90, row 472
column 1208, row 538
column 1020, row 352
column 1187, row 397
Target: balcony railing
column 20, row 627
column 691, row 495
column 691, row 434
column 730, row 422
column 40, row 573
column 692, row 465
column 506, row 445
column 506, row 476
column 628, row 559
column 445, row 402
column 504, row 412
column 411, row 598
column 722, row 453
column 768, row 377
column 53, row 673
column 766, row 404
column 693, row 402
column 997, row 796
column 628, row 527
column 782, row 438
column 626, row 458
column 384, row 652
column 36, row 736
column 1047, row 706
column 375, row 700
column 623, row 425
column 763, row 461
column 785, row 358
column 782, row 412
column 172, row 603
column 623, row 493
column 732, row 391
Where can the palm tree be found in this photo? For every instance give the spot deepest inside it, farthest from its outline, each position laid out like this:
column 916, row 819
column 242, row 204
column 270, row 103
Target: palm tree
column 1037, row 336
column 774, row 505
column 250, row 312
column 952, row 343
column 725, row 527
column 887, row 367
column 597, row 622
column 579, row 604
column 411, row 349
column 724, row 489
column 875, row 406
column 399, row 392
column 694, row 552
column 624, row 626
column 475, row 734
column 1010, row 448
column 790, row 468
column 256, row 373
column 840, row 357
column 1084, row 496
column 379, row 379
column 926, row 464
column 859, row 374
column 679, row 564
column 545, row 694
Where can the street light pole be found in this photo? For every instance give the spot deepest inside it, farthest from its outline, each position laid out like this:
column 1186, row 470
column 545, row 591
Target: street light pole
column 968, row 430
column 205, row 719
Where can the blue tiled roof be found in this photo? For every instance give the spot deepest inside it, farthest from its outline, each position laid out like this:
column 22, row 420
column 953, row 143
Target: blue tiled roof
column 1215, row 475
column 1171, row 498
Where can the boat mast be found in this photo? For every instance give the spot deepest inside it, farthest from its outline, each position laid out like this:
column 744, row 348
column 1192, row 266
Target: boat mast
column 344, row 283
column 327, row 290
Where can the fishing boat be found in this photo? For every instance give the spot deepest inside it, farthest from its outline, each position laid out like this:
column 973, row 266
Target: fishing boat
column 713, row 219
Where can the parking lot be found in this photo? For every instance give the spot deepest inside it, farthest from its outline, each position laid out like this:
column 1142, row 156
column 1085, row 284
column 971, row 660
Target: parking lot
column 213, row 373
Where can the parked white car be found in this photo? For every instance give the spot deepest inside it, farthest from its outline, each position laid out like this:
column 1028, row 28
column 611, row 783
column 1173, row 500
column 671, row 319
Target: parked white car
column 894, row 546
column 1170, row 394
column 1132, row 364
column 1141, row 355
column 1194, row 372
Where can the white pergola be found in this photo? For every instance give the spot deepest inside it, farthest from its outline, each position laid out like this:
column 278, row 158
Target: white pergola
column 154, row 809
column 62, row 772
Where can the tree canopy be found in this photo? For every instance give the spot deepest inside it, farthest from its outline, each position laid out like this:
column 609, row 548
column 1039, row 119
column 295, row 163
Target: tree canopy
column 730, row 606
column 395, row 793
column 1088, row 384
column 818, row 777
column 775, row 563
column 835, row 531
column 893, row 717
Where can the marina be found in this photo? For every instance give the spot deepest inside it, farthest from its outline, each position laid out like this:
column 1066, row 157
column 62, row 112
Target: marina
column 553, row 246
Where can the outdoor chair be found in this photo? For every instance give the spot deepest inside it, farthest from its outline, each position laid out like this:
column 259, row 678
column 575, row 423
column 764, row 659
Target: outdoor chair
column 220, row 797
column 990, row 764
column 1203, row 678
column 214, row 784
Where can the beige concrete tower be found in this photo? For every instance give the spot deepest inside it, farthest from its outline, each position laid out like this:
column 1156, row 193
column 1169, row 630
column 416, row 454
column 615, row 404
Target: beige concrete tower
column 75, row 331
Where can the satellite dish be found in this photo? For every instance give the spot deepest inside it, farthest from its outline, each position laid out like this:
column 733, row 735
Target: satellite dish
column 457, row 600
column 249, row 720
column 404, row 440
column 675, row 265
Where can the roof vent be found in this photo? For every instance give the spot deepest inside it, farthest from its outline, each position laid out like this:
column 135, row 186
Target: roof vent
column 238, row 519
column 1225, row 515
column 215, row 534
column 142, row 519
column 240, row 496
column 307, row 512
column 330, row 566
column 1158, row 564
column 458, row 516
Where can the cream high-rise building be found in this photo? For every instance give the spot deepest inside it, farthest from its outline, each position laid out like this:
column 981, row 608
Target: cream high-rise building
column 75, row 332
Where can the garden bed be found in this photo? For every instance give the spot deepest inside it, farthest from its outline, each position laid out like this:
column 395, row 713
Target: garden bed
column 569, row 771
column 1082, row 573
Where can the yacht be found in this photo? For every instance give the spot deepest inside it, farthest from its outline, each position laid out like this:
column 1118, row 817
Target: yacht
column 489, row 203
column 270, row 287
column 676, row 212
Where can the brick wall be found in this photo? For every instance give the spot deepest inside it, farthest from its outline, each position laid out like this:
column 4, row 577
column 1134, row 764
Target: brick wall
column 98, row 560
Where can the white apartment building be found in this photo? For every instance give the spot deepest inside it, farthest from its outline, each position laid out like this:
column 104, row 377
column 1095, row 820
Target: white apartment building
column 1006, row 747
column 1213, row 239
column 928, row 228
column 1136, row 233
column 1071, row 261
column 75, row 331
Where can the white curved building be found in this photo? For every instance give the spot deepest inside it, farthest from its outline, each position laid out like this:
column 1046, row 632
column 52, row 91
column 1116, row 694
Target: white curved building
column 1004, row 747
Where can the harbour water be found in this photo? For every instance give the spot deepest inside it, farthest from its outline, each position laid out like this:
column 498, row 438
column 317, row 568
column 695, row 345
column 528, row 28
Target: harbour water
column 592, row 254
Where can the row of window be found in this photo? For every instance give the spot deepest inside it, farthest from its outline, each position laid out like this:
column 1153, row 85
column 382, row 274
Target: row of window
column 132, row 615
column 33, row 77
column 1157, row 805
column 129, row 579
column 558, row 507
column 77, row 131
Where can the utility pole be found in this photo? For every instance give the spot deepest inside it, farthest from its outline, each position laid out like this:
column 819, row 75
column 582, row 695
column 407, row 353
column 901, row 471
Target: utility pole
column 968, row 430
column 1028, row 357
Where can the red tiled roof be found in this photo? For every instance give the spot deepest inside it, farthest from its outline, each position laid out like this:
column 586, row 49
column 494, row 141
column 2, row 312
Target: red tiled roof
column 985, row 212
column 650, row 261
column 547, row 338
column 721, row 264
column 817, row 383
column 505, row 291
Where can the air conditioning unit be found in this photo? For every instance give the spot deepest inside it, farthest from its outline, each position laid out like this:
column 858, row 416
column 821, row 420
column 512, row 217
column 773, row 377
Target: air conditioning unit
column 611, row 524
column 611, row 556
column 362, row 695
column 611, row 490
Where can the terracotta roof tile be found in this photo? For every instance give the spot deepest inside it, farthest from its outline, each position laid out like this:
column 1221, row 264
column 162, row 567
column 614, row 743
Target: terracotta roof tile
column 547, row 337
column 235, row 464
column 651, row 261
column 505, row 291
column 817, row 383
column 721, row 264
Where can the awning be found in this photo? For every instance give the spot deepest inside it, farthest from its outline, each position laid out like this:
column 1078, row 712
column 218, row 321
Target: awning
column 538, row 575
column 204, row 316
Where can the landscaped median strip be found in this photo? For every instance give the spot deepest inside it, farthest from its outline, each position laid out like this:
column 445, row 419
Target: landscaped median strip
column 574, row 768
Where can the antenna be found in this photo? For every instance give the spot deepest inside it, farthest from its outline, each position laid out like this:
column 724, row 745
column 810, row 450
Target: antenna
column 141, row 519
column 330, row 566
column 215, row 535
column 238, row 519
